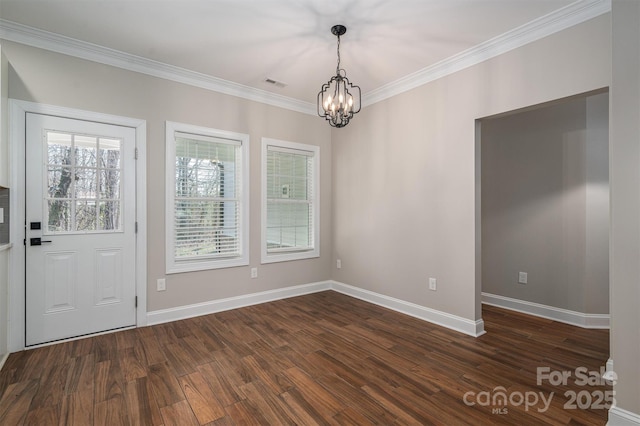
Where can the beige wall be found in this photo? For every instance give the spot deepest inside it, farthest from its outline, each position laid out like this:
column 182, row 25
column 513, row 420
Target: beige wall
column 404, row 170
column 4, row 142
column 625, row 202
column 76, row 83
column 545, row 205
column 4, row 181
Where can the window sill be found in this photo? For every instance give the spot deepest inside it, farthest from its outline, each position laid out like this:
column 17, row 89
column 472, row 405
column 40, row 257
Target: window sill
column 180, row 267
column 288, row 256
column 4, row 247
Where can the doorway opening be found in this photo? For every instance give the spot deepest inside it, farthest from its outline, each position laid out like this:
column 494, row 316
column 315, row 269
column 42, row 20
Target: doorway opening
column 544, row 210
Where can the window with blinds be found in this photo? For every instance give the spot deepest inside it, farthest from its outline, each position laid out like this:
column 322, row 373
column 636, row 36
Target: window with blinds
column 290, row 201
column 207, row 216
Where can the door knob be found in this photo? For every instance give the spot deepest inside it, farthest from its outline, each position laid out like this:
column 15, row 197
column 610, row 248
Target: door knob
column 39, row 241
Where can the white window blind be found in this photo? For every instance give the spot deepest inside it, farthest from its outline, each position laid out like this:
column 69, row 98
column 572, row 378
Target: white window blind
column 291, row 198
column 208, row 207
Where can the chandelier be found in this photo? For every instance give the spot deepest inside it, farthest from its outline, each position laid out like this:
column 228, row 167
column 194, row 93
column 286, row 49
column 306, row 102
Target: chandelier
column 338, row 99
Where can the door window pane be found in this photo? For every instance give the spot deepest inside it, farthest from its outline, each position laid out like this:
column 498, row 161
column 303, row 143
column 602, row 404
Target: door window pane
column 59, row 215
column 110, row 184
column 85, row 217
column 84, row 182
column 58, row 148
column 109, row 153
column 86, row 149
column 109, row 215
column 59, row 182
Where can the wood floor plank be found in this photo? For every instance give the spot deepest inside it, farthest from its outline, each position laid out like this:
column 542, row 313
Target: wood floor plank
column 104, row 347
column 165, row 385
column 16, row 400
column 178, row 414
column 45, row 416
column 243, row 413
column 32, row 367
column 51, row 388
column 304, row 412
column 111, row 412
column 266, row 403
column 392, row 405
column 141, row 405
column 179, row 358
column 267, row 374
column 326, row 404
column 80, row 376
column 209, row 338
column 125, row 339
column 203, row 402
column 77, row 409
column 355, row 399
column 196, row 348
column 81, row 347
column 132, row 364
column 221, row 384
column 323, row 358
column 108, row 380
column 148, row 351
column 350, row 417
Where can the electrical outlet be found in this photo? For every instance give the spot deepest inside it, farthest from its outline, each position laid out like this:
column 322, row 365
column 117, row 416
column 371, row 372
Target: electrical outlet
column 338, row 263
column 161, row 284
column 522, row 277
column 433, row 284
column 254, row 272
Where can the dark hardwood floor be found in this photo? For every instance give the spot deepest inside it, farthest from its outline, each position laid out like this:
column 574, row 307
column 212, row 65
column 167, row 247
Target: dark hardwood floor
column 323, row 358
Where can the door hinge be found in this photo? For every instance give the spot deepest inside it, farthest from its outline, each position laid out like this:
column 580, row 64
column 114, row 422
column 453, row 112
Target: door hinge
column 136, row 227
column 135, row 155
column 136, row 302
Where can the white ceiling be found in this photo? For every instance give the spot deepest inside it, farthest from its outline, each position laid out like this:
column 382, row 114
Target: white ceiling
column 248, row 41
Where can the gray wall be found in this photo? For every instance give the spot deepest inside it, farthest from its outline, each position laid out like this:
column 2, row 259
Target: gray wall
column 625, row 202
column 545, row 205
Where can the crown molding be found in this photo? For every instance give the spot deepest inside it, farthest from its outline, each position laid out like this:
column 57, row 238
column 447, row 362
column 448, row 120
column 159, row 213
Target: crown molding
column 566, row 17
column 573, row 14
column 46, row 40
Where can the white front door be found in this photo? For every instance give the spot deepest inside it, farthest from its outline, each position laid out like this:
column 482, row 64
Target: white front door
column 80, row 228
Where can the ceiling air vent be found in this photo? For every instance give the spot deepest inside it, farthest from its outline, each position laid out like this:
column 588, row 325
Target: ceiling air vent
column 274, row 82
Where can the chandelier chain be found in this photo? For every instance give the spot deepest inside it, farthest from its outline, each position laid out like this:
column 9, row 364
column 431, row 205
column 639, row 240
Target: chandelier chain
column 338, row 66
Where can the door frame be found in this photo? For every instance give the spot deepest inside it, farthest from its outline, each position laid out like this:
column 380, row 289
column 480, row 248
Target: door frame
column 17, row 133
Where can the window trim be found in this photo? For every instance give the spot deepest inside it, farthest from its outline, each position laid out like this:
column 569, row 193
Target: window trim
column 285, row 256
column 172, row 264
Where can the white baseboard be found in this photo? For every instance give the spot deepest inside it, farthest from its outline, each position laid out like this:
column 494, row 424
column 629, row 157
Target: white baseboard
column 3, row 359
column 213, row 306
column 454, row 322
column 463, row 325
column 620, row 417
column 557, row 314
